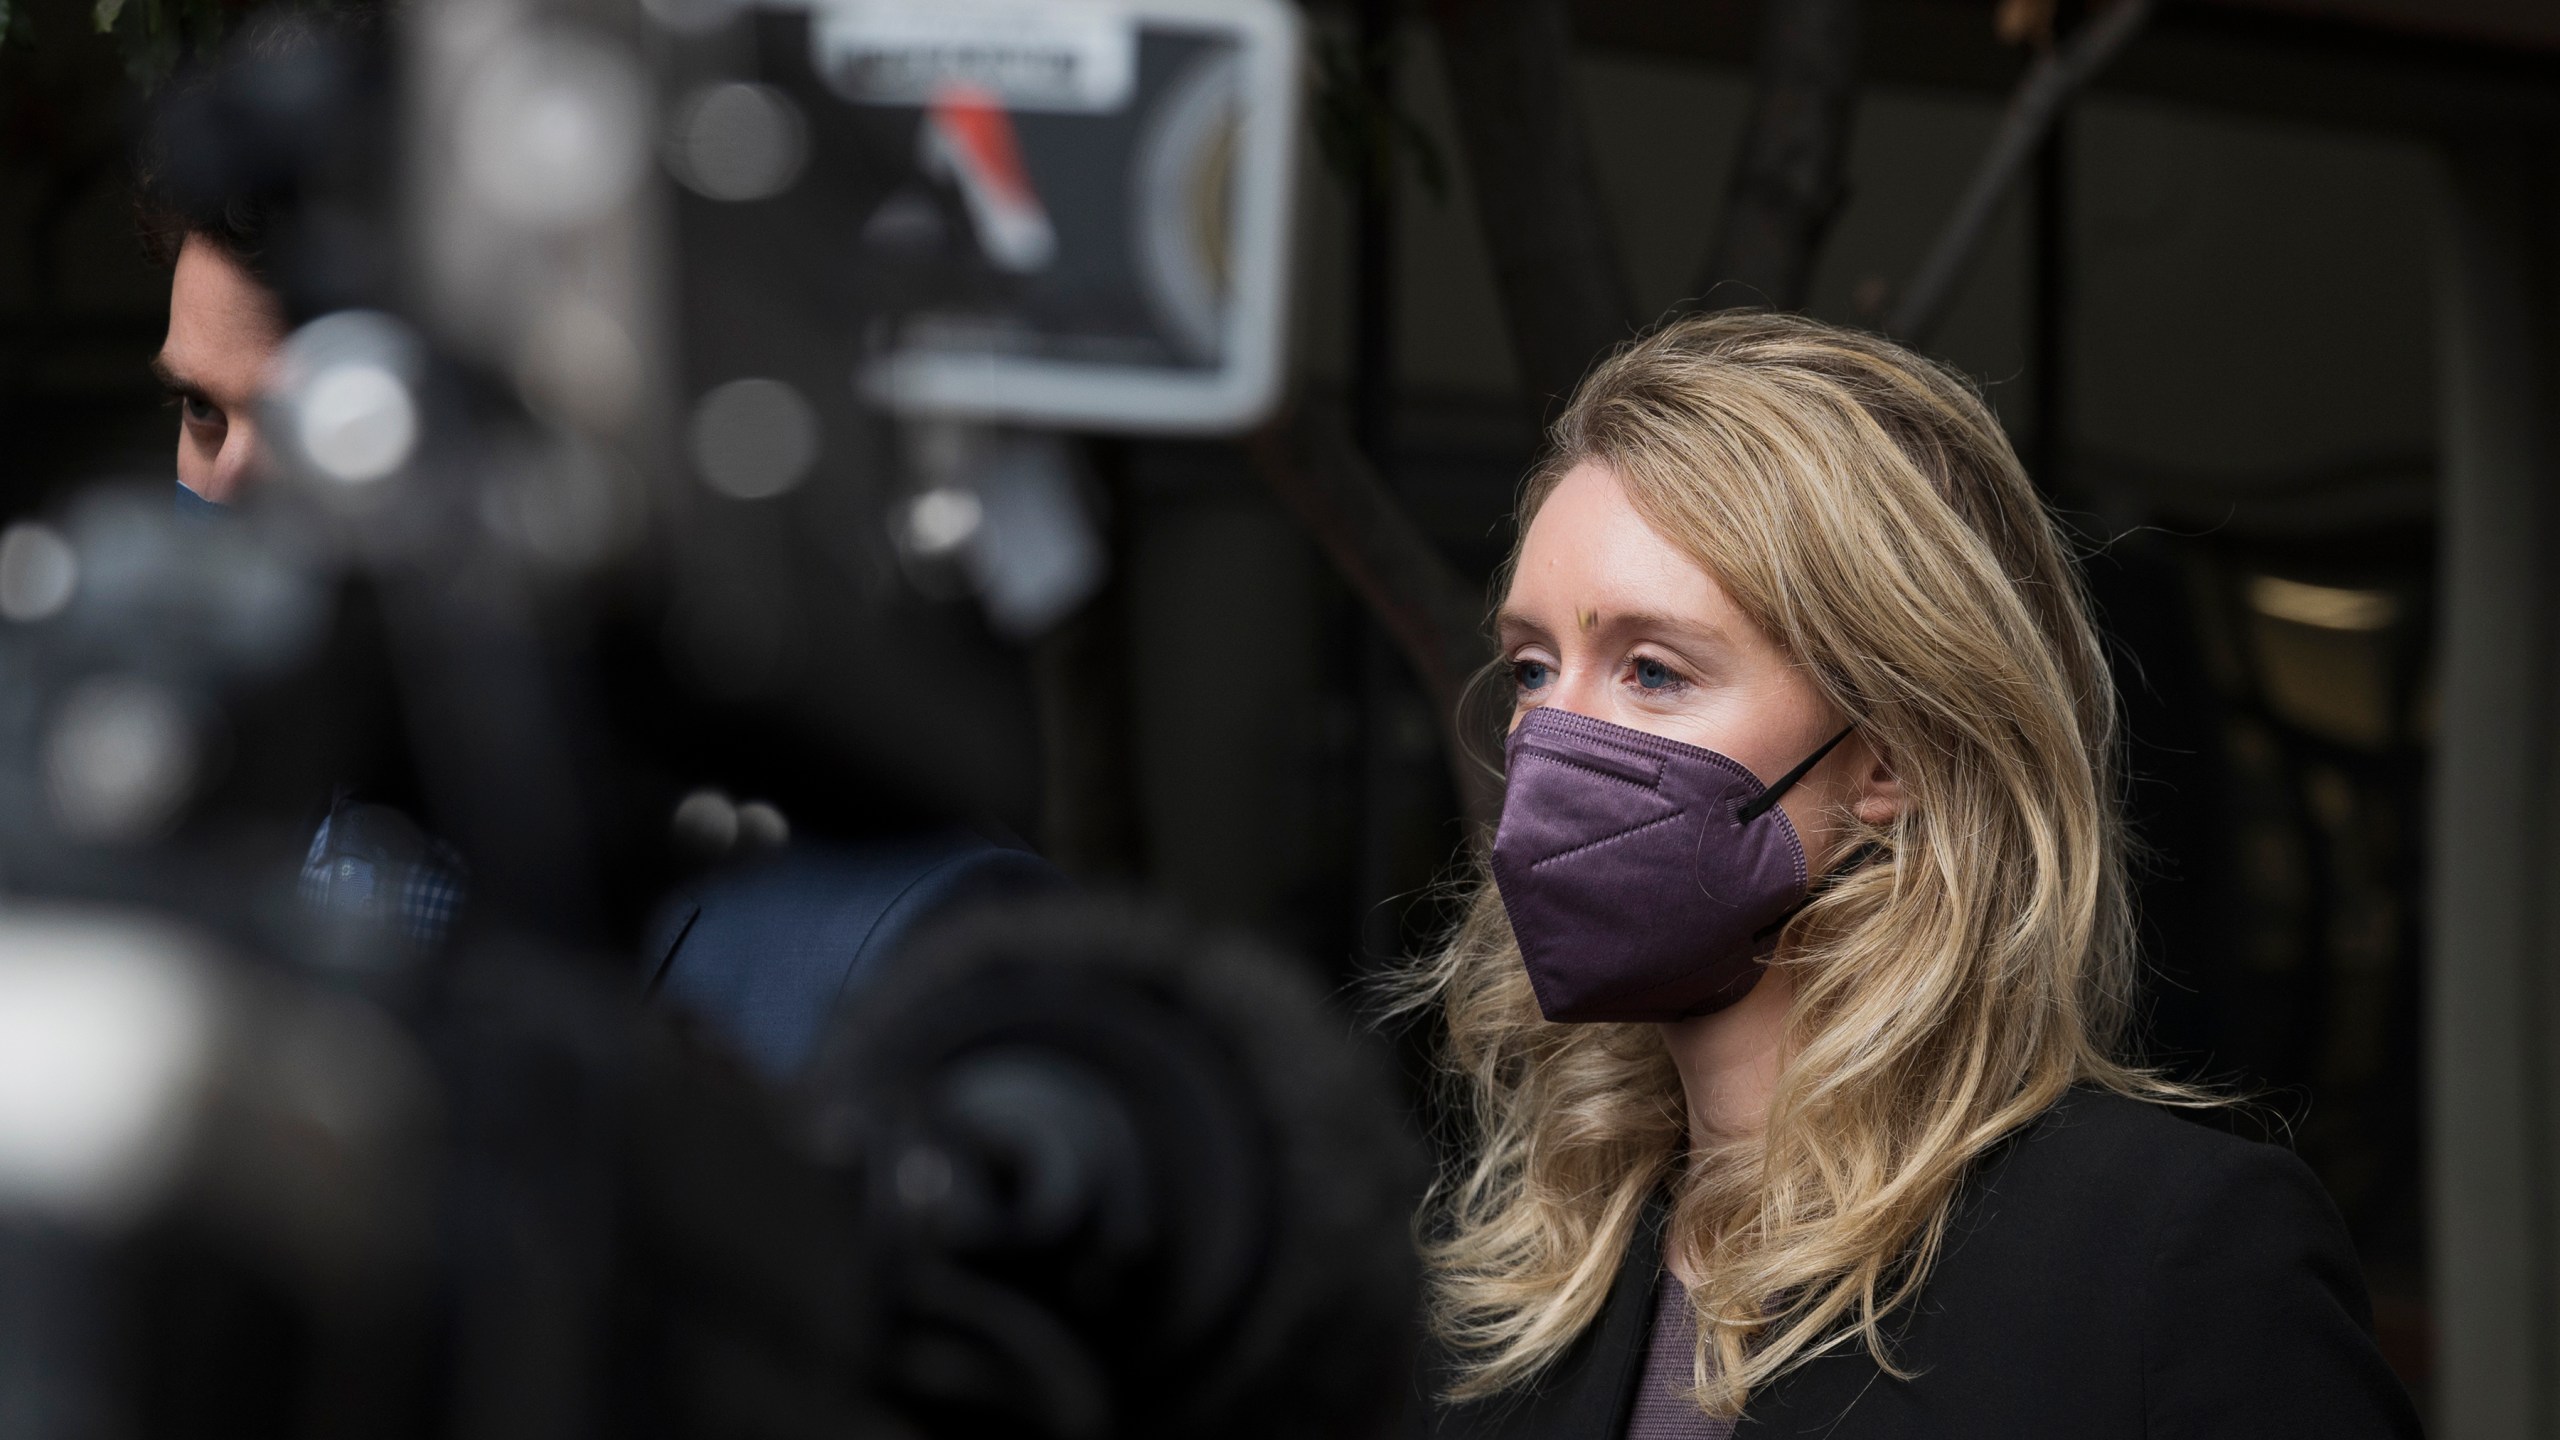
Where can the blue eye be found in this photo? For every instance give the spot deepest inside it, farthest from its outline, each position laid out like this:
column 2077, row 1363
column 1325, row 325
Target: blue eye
column 1654, row 675
column 1531, row 674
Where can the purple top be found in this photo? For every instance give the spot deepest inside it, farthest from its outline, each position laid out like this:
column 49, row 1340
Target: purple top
column 1664, row 1410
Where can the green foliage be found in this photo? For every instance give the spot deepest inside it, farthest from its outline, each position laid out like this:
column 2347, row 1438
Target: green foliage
column 1356, row 128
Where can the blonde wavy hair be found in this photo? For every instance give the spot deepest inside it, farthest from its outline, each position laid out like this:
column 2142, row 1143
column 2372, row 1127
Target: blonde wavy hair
column 1862, row 505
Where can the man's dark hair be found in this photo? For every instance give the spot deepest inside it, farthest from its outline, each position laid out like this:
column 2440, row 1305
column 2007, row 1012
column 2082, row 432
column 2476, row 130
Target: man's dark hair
column 167, row 214
column 178, row 190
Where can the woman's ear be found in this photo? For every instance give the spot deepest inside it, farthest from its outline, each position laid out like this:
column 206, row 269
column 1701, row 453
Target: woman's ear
column 1879, row 796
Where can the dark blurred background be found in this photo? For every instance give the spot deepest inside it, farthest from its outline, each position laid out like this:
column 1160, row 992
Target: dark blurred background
column 2268, row 313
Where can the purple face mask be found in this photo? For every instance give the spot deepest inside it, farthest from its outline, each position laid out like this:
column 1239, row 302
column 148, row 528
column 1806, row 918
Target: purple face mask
column 1645, row 879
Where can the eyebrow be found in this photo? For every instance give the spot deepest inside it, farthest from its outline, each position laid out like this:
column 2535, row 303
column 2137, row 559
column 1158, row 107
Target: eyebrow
column 177, row 384
column 1508, row 621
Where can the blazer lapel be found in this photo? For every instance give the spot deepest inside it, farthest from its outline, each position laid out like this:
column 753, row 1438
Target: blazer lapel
column 1591, row 1389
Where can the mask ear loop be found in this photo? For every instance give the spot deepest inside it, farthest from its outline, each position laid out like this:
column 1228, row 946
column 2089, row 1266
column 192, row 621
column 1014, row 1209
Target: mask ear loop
column 1759, row 805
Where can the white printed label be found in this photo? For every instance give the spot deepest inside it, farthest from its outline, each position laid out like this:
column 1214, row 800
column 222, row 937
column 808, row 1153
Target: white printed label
column 1040, row 55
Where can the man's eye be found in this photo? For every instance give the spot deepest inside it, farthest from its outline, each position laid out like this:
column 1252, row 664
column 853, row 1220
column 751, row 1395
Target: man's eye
column 200, row 411
column 1531, row 674
column 1654, row 675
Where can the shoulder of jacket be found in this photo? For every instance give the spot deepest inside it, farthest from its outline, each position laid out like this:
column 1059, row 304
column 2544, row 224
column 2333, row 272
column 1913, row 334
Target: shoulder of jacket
column 2120, row 1151
column 2089, row 1117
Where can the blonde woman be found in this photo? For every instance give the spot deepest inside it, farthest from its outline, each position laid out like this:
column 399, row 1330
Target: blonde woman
column 1789, row 1018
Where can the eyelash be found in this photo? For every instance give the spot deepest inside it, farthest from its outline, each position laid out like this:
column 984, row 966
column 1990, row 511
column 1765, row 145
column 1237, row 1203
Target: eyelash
column 188, row 405
column 1674, row 682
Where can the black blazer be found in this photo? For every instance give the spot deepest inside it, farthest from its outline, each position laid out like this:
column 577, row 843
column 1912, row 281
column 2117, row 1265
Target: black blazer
column 2113, row 1272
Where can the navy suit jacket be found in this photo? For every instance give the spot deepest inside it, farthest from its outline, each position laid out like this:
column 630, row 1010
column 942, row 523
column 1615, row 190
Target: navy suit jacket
column 763, row 955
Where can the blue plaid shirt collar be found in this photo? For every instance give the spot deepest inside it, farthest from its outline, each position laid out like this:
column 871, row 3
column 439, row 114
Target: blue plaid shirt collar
column 372, row 865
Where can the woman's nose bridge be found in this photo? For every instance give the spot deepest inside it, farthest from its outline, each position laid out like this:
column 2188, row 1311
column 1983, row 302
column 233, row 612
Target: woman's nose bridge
column 1581, row 687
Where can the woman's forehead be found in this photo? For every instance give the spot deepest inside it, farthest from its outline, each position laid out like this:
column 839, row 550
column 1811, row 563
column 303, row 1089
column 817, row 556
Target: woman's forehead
column 1590, row 558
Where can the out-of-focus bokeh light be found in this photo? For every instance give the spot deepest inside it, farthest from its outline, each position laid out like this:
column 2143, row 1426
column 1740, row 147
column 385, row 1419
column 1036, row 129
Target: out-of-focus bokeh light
column 575, row 509
column 738, row 142
column 344, row 397
column 753, row 439
column 943, row 519
column 552, row 131
column 924, row 1177
column 709, row 824
column 577, row 363
column 38, row 572
column 357, row 422
column 121, row 758
column 705, row 823
column 106, row 1030
column 762, row 824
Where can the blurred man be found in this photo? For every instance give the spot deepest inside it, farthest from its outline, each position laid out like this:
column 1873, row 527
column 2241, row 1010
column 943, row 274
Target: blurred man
column 366, row 863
